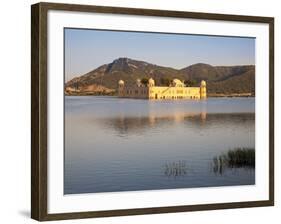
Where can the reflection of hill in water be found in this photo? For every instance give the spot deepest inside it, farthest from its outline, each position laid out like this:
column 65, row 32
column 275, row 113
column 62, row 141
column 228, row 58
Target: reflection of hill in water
column 131, row 125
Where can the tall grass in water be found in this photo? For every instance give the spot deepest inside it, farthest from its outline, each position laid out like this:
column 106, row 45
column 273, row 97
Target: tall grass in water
column 175, row 169
column 234, row 158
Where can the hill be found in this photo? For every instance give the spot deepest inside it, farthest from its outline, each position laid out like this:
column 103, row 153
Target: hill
column 220, row 79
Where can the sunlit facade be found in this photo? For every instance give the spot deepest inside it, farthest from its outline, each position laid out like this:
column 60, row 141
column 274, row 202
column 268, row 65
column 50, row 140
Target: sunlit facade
column 176, row 90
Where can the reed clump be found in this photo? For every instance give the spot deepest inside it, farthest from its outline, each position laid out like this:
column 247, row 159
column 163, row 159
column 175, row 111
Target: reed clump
column 178, row 168
column 241, row 157
column 234, row 158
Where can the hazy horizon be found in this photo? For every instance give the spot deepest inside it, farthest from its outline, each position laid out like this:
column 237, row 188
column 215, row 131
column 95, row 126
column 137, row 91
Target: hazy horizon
column 86, row 49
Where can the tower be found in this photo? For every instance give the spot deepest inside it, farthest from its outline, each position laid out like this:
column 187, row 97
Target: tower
column 203, row 90
column 138, row 83
column 121, row 84
column 151, row 82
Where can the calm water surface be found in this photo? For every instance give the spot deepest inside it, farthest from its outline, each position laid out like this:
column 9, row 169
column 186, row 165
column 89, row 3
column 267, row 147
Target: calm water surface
column 114, row 144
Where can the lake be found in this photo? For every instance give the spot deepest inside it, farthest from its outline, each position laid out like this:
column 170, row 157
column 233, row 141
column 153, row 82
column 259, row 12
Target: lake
column 114, row 144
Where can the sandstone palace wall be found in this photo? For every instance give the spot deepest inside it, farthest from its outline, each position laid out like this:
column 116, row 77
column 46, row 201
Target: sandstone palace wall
column 177, row 90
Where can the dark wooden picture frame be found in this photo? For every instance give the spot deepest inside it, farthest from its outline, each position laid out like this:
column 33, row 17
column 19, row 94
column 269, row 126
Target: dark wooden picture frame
column 39, row 148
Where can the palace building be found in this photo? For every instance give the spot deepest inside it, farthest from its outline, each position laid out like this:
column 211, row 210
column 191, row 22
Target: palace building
column 176, row 90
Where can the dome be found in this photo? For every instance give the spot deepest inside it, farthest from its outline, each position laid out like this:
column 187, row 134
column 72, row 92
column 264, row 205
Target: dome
column 151, row 81
column 203, row 83
column 177, row 82
column 138, row 82
column 121, row 82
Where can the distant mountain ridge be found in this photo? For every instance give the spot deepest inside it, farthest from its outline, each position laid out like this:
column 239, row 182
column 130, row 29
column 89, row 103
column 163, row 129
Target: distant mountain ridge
column 220, row 79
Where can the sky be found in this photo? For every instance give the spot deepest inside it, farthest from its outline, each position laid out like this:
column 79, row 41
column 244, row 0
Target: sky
column 87, row 49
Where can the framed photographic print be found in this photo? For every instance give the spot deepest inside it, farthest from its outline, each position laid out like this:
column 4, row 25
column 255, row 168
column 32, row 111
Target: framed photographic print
column 139, row 111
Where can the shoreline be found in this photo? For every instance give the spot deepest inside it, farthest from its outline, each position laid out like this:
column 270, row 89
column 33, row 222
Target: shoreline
column 230, row 95
column 208, row 95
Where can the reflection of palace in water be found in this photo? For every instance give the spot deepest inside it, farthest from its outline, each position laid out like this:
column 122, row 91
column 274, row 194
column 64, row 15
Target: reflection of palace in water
column 133, row 124
column 141, row 123
column 176, row 117
column 176, row 90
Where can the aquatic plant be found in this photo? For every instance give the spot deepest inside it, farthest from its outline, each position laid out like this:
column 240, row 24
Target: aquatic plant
column 234, row 158
column 241, row 157
column 178, row 168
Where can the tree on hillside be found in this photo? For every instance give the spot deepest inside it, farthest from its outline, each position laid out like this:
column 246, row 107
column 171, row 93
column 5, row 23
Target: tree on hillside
column 190, row 82
column 144, row 81
column 165, row 81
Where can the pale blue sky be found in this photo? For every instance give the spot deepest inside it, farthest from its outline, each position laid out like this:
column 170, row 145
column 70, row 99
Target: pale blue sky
column 86, row 50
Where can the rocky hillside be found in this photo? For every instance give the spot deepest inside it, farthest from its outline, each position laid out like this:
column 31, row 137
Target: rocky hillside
column 220, row 79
